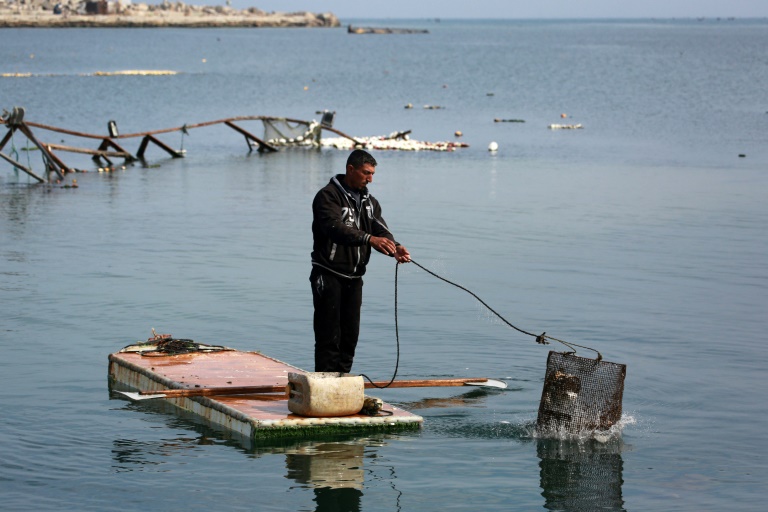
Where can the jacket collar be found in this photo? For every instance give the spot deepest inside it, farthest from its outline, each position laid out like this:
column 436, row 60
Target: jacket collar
column 339, row 178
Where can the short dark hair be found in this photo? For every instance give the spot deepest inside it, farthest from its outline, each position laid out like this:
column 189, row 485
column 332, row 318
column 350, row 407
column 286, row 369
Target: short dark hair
column 358, row 158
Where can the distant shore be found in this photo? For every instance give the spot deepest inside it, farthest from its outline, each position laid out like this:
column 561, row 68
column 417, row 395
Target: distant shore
column 67, row 13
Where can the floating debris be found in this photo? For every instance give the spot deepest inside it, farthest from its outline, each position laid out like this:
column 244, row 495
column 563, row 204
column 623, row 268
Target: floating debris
column 497, row 120
column 565, row 127
column 400, row 135
column 373, row 30
column 127, row 72
column 433, row 107
column 134, row 72
column 388, row 143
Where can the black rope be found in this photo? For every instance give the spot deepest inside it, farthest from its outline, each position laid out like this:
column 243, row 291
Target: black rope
column 397, row 337
column 173, row 346
column 541, row 339
column 481, row 301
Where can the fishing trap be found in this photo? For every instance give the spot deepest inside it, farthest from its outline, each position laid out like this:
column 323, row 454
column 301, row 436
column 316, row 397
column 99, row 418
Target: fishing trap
column 580, row 394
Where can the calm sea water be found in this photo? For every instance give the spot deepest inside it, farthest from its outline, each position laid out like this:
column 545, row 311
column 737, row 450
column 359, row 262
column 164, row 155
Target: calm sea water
column 642, row 235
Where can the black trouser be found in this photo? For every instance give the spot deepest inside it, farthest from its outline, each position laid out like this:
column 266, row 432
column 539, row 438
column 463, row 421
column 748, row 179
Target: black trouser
column 337, row 320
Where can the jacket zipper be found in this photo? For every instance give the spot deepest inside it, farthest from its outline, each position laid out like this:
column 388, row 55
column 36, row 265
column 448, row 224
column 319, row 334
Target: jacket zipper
column 357, row 217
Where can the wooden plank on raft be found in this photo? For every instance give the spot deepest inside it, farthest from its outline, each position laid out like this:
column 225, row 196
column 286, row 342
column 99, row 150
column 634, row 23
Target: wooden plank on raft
column 248, row 390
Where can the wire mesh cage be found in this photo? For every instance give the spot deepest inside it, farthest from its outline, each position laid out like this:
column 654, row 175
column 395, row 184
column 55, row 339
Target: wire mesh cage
column 580, row 394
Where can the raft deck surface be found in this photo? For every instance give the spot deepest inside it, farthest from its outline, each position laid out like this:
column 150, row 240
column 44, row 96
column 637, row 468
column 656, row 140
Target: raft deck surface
column 252, row 416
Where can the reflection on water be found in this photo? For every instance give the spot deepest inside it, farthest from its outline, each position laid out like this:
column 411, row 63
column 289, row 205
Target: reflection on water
column 334, row 470
column 335, row 465
column 581, row 476
column 474, row 398
column 329, row 499
column 575, row 475
column 134, row 455
column 332, row 466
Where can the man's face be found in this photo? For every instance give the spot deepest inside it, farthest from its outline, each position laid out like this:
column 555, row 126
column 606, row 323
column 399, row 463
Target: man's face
column 359, row 177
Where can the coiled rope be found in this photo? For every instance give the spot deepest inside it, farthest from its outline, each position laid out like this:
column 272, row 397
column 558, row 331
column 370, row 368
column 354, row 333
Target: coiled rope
column 541, row 339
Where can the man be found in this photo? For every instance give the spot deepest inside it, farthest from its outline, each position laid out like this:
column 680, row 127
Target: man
column 346, row 224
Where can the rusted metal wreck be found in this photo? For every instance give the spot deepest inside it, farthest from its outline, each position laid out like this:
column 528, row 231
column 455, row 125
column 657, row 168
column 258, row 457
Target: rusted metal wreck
column 279, row 131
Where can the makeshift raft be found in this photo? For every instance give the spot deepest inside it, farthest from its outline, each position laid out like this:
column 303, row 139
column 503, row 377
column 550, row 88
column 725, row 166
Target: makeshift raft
column 253, row 416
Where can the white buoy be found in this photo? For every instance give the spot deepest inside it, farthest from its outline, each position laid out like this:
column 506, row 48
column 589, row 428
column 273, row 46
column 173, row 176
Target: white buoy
column 493, row 146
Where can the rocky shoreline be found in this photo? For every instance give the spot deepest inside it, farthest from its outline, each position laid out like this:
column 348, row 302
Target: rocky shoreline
column 123, row 13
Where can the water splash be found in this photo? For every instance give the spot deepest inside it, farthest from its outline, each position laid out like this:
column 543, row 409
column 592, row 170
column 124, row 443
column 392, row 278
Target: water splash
column 601, row 436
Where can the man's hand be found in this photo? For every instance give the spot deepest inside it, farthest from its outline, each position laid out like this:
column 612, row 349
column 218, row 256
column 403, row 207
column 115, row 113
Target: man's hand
column 383, row 245
column 402, row 255
column 388, row 247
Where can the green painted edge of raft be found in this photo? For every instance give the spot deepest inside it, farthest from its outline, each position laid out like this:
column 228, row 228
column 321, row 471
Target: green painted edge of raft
column 314, row 431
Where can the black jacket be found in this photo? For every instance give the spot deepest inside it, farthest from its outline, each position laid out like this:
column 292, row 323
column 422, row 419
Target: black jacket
column 341, row 231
